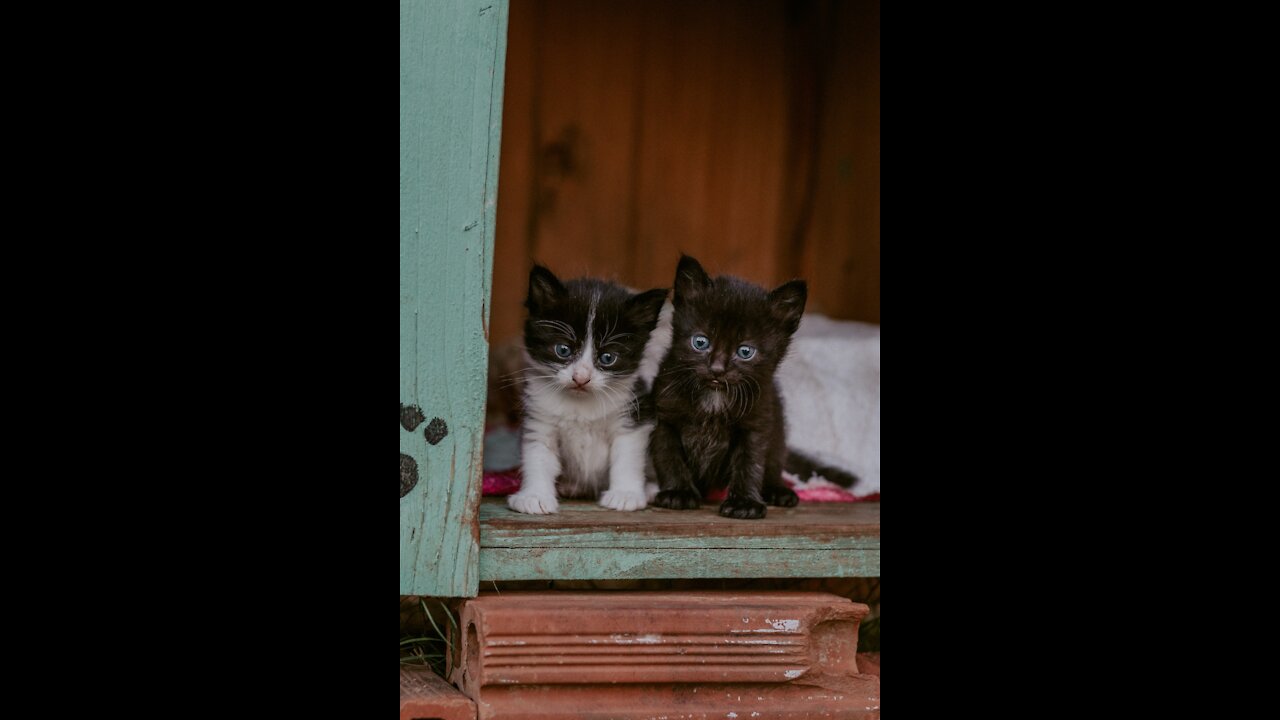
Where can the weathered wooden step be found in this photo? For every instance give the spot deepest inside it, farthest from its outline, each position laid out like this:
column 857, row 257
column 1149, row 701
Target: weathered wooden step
column 644, row 655
column 587, row 542
column 424, row 696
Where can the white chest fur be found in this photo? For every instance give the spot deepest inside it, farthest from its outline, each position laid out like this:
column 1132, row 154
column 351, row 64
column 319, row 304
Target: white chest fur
column 585, row 448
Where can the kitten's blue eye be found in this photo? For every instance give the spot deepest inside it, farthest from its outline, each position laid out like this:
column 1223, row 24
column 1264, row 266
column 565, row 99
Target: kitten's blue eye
column 564, row 352
column 746, row 352
column 608, row 360
column 701, row 343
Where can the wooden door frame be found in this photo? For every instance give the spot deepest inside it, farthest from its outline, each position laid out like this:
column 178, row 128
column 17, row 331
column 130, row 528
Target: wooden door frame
column 452, row 69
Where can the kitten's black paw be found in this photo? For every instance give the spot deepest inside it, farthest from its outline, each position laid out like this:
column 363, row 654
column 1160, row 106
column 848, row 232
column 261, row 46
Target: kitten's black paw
column 783, row 497
column 678, row 500
column 743, row 509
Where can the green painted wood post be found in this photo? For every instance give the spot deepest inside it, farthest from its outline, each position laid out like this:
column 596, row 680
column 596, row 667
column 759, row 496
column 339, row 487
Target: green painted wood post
column 452, row 57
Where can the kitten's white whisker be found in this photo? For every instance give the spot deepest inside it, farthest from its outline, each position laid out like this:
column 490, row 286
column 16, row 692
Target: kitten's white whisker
column 611, row 339
column 609, row 333
column 526, row 378
column 615, row 398
column 558, row 325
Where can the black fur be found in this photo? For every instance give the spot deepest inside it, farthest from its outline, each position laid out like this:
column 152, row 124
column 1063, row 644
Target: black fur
column 738, row 441
column 643, row 410
column 558, row 314
column 805, row 467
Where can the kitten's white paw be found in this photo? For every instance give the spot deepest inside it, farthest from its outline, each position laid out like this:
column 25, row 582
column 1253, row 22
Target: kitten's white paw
column 624, row 501
column 531, row 504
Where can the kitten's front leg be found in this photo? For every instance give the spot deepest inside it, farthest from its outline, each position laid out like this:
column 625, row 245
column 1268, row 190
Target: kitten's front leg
column 776, row 491
column 537, row 494
column 669, row 462
column 627, row 460
column 746, row 480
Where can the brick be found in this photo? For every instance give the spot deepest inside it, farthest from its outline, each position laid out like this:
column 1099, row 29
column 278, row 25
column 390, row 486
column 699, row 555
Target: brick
column 424, row 695
column 869, row 663
column 648, row 655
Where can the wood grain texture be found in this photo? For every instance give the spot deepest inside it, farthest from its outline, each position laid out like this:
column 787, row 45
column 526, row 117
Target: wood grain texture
column 620, row 564
column 842, row 241
column 452, row 59
column 585, row 542
column 710, row 176
column 745, row 132
column 516, row 207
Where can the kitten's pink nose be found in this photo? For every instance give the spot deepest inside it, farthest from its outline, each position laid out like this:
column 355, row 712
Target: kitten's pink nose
column 718, row 368
column 581, row 379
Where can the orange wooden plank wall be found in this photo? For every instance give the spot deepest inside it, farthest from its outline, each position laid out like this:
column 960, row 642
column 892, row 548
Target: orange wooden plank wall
column 745, row 132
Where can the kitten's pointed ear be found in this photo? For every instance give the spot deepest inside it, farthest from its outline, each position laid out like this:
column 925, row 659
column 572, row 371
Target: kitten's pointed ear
column 644, row 309
column 545, row 289
column 691, row 279
column 787, row 304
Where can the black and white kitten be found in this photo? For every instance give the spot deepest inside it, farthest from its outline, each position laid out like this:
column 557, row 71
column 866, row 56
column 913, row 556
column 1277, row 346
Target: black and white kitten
column 592, row 350
column 719, row 415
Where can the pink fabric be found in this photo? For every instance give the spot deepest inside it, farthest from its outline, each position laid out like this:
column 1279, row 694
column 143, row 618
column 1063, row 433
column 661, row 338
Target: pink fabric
column 501, row 484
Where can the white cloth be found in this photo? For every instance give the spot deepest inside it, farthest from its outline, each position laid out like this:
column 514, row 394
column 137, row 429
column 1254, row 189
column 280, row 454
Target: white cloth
column 831, row 384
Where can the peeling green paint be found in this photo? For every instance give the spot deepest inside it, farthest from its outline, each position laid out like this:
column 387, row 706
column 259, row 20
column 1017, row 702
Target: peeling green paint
column 586, row 542
column 452, row 55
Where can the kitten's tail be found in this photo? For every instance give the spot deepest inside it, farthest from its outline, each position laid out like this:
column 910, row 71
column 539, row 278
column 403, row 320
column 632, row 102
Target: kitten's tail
column 805, row 467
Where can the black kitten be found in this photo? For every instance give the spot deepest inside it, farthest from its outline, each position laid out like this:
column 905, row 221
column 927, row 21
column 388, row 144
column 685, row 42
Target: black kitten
column 719, row 413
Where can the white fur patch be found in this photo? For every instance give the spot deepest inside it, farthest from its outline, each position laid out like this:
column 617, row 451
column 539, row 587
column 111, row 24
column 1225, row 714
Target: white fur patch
column 714, row 401
column 656, row 350
column 627, row 471
column 831, row 383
